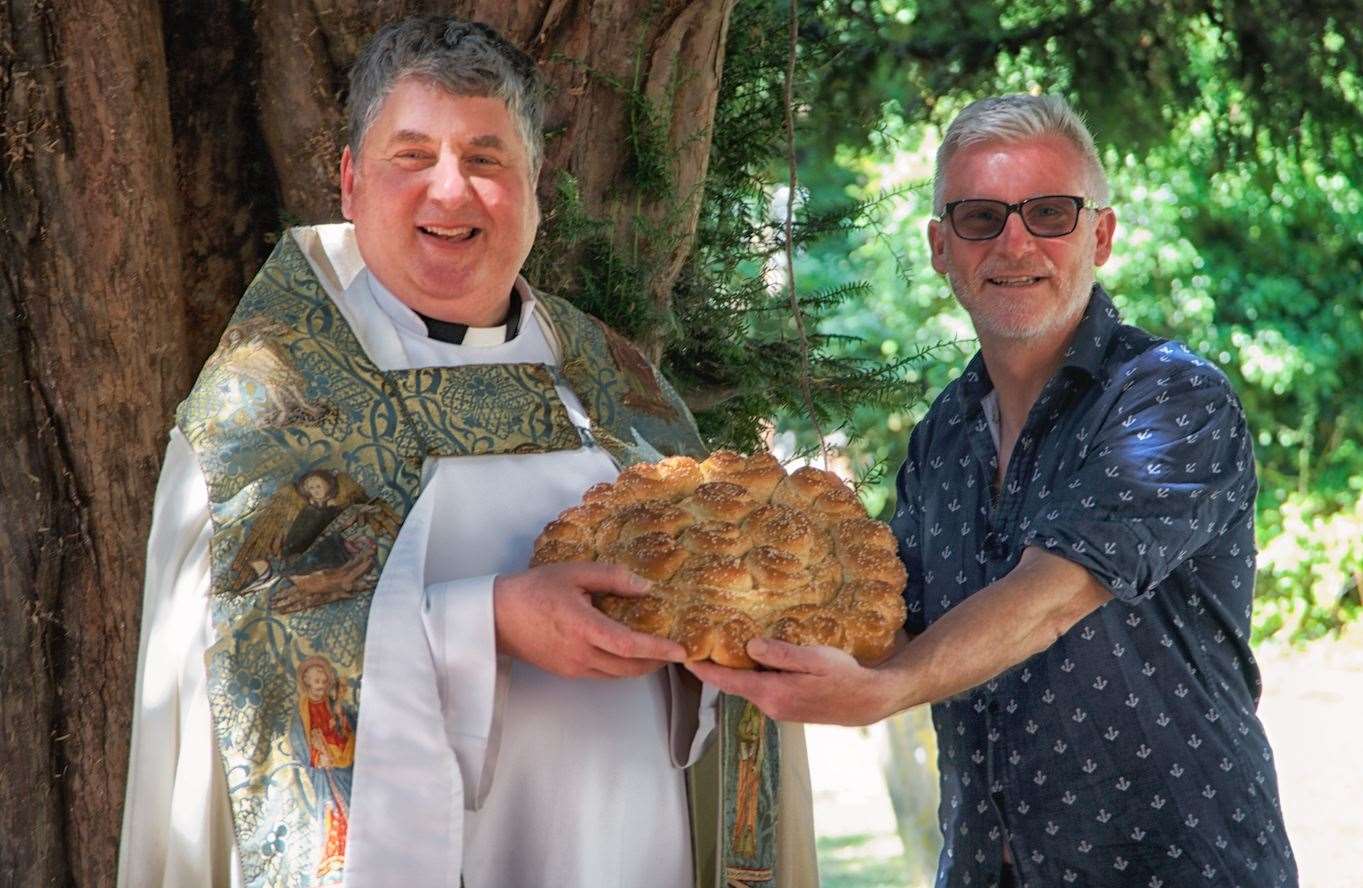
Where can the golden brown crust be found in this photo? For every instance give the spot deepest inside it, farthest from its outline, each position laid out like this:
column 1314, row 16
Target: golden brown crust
column 863, row 532
column 555, row 551
column 881, row 598
column 866, row 563
column 649, row 613
column 720, row 501
column 713, row 632
column 721, row 462
column 781, row 527
column 864, row 633
column 826, row 577
column 715, row 572
column 653, row 556
column 715, row 538
column 602, row 492
column 656, row 517
column 564, row 531
column 803, row 486
column 759, row 473
column 737, row 550
column 775, row 569
column 836, row 505
column 669, row 480
column 809, row 624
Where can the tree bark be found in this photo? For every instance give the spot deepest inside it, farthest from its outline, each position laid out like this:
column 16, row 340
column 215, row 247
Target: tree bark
column 93, row 360
column 224, row 180
column 149, row 153
column 671, row 58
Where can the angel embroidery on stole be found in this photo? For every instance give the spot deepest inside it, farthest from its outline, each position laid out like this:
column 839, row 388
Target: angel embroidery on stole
column 313, row 542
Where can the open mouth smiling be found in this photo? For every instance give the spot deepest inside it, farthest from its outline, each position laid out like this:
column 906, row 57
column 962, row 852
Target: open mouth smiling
column 1015, row 281
column 453, row 235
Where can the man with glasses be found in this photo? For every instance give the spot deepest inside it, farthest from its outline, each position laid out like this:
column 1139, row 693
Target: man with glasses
column 1076, row 515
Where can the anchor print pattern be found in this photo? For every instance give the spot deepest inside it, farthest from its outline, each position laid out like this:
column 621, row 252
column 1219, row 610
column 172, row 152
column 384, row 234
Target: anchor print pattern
column 1128, row 753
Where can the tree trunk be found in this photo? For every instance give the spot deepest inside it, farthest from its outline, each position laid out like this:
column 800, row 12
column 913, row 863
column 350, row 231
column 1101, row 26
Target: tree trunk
column 149, row 153
column 225, row 185
column 909, row 766
column 92, row 364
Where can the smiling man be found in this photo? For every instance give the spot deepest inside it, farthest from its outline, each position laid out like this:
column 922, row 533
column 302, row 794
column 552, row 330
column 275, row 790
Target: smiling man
column 1076, row 516
column 482, row 724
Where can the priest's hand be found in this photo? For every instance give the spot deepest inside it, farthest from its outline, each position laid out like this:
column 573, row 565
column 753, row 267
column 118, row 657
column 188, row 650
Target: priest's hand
column 545, row 616
column 822, row 685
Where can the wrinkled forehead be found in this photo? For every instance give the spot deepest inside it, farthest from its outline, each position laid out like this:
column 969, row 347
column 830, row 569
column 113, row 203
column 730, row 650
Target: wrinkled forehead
column 1015, row 170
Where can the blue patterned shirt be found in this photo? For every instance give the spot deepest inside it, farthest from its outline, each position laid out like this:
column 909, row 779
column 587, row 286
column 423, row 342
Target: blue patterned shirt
column 1128, row 753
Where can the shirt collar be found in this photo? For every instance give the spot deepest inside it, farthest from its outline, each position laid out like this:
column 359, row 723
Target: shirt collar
column 1084, row 353
column 478, row 337
column 1089, row 346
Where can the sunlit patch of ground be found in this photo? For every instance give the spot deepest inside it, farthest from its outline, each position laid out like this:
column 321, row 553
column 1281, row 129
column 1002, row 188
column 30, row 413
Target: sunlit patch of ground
column 866, row 860
column 854, row 822
column 1312, row 709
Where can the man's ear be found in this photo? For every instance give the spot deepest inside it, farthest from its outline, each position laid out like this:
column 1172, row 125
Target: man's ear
column 937, row 245
column 347, row 181
column 1103, row 231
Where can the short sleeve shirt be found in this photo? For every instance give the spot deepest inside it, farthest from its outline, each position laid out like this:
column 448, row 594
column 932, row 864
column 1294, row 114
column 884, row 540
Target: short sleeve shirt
column 1128, row 753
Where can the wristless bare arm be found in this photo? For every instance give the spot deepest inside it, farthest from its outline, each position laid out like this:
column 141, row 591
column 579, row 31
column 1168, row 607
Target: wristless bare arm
column 996, row 628
column 991, row 631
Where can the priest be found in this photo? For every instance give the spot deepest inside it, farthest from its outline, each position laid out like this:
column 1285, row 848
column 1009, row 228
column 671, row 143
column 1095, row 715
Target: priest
column 346, row 674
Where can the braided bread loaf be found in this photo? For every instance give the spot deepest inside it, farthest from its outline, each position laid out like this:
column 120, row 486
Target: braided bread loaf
column 736, row 549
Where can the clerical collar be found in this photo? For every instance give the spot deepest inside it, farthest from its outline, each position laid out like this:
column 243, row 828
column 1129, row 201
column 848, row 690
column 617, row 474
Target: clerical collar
column 448, row 331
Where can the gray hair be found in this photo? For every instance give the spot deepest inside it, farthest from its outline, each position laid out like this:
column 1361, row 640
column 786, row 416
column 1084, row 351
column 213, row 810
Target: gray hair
column 1012, row 119
column 464, row 58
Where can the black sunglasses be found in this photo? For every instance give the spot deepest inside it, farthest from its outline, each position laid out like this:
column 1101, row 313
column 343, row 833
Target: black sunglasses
column 1050, row 215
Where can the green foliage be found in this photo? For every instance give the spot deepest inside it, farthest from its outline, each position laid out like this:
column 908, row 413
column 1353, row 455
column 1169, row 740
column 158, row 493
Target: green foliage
column 609, row 280
column 1258, row 267
column 1282, row 68
column 1231, row 132
column 729, row 342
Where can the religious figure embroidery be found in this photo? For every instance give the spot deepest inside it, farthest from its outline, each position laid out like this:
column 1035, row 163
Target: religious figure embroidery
column 644, row 395
column 314, row 542
column 323, row 738
column 751, row 747
column 252, row 359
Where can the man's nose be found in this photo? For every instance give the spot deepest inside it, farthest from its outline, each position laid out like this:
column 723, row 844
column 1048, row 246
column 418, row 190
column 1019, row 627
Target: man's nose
column 1015, row 239
column 449, row 184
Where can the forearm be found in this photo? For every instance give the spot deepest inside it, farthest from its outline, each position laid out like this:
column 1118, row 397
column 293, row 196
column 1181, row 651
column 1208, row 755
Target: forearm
column 996, row 628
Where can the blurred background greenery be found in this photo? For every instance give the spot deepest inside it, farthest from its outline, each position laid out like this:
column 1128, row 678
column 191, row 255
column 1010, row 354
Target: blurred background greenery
column 1231, row 132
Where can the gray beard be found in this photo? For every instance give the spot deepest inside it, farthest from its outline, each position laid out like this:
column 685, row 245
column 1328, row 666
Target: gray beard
column 1074, row 309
